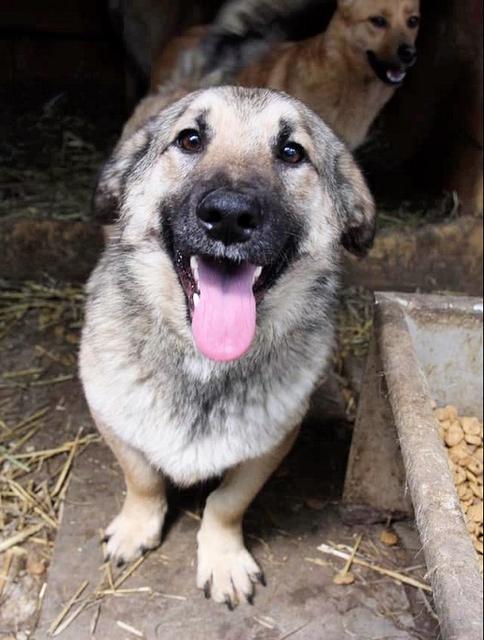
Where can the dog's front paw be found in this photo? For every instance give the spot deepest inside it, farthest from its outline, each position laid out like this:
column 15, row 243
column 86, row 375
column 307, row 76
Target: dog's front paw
column 134, row 532
column 226, row 571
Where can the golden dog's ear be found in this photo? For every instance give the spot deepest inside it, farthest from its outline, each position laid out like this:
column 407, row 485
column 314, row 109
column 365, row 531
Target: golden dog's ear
column 345, row 9
column 354, row 204
column 344, row 5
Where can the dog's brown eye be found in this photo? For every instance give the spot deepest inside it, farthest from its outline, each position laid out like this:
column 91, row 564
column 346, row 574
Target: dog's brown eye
column 292, row 153
column 379, row 21
column 413, row 22
column 190, row 140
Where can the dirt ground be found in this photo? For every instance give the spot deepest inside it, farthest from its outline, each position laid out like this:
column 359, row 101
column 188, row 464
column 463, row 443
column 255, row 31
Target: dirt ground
column 52, row 144
column 38, row 380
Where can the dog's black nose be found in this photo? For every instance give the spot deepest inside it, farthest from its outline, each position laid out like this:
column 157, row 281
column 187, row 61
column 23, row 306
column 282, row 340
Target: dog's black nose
column 229, row 216
column 407, row 53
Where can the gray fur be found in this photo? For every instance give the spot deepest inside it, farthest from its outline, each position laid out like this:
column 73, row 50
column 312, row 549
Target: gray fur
column 142, row 375
column 241, row 33
column 238, row 17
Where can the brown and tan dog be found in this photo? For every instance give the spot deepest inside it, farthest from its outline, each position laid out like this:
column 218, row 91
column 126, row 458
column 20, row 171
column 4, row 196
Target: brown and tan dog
column 346, row 74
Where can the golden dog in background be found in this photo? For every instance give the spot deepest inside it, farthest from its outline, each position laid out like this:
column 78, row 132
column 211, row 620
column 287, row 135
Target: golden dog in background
column 346, row 74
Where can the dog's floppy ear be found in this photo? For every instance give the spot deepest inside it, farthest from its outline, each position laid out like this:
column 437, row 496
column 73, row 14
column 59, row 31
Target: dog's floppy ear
column 354, row 204
column 344, row 8
column 345, row 185
column 110, row 186
column 344, row 5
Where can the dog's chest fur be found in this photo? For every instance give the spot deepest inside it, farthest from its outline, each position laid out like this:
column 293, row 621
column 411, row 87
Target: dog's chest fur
column 191, row 417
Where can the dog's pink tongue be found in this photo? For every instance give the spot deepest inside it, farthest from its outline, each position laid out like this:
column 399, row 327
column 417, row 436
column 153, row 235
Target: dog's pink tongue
column 223, row 322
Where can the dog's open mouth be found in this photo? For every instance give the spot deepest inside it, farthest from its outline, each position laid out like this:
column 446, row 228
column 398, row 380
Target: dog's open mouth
column 222, row 299
column 389, row 73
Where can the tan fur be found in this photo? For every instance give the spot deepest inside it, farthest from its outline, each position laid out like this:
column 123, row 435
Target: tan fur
column 149, row 107
column 329, row 72
column 145, row 502
column 224, row 564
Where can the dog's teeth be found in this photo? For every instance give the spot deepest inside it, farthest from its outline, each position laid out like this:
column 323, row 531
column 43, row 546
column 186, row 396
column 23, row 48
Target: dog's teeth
column 196, row 299
column 194, row 267
column 396, row 76
column 257, row 273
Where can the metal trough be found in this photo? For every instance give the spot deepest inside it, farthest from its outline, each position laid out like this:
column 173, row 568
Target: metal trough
column 424, row 349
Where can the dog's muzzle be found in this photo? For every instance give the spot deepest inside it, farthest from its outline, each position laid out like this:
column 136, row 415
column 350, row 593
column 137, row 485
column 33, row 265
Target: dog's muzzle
column 407, row 54
column 230, row 245
column 393, row 72
column 229, row 216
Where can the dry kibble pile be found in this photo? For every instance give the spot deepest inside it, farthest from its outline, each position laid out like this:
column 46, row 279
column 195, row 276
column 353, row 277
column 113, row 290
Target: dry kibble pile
column 463, row 439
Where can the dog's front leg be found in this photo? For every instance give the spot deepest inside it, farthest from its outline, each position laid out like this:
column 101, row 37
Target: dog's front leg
column 137, row 528
column 226, row 570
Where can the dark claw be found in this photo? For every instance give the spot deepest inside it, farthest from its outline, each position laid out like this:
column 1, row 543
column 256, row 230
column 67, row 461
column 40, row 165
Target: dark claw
column 105, row 539
column 261, row 578
column 229, row 603
column 207, row 589
column 143, row 550
column 250, row 598
column 121, row 562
